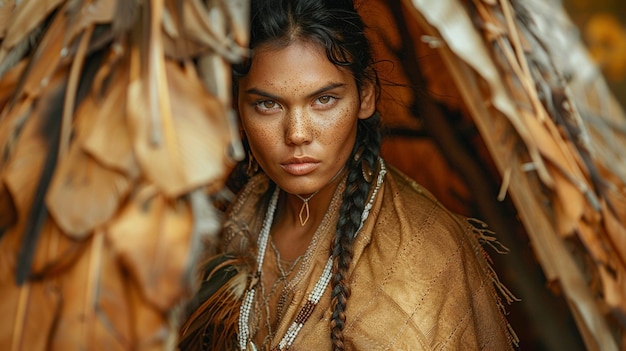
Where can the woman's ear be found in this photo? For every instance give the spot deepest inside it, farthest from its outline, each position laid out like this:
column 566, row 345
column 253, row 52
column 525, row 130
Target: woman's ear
column 368, row 100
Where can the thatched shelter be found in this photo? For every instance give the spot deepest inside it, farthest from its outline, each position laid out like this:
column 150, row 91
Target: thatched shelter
column 495, row 106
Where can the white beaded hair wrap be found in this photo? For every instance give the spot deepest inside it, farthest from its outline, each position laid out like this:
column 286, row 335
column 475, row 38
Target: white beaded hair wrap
column 314, row 297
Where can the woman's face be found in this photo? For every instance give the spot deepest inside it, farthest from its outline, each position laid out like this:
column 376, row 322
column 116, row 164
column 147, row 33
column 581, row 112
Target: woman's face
column 299, row 112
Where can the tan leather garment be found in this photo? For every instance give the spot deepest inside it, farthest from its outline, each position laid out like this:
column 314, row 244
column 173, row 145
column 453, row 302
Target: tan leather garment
column 419, row 279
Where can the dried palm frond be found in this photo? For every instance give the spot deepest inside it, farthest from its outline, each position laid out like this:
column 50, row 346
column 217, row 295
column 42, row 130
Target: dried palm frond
column 557, row 137
column 112, row 139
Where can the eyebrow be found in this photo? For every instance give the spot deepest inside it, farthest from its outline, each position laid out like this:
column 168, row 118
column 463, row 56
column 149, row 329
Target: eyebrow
column 321, row 90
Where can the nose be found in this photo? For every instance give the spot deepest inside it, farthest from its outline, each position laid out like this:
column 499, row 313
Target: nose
column 298, row 127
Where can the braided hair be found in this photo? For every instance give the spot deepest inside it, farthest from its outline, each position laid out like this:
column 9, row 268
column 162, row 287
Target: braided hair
column 364, row 158
column 336, row 26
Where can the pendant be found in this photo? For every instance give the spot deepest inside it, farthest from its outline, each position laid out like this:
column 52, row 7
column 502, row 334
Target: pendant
column 305, row 206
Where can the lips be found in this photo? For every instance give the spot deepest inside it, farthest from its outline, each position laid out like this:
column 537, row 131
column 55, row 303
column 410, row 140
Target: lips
column 300, row 166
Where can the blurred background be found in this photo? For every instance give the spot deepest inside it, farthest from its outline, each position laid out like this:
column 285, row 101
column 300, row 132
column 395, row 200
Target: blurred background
column 602, row 25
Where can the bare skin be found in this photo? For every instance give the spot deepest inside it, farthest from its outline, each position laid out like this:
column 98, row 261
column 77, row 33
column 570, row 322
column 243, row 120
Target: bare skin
column 299, row 112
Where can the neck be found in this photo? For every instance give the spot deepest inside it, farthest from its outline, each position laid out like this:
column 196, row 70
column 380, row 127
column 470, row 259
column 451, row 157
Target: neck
column 305, row 208
column 304, row 213
column 290, row 236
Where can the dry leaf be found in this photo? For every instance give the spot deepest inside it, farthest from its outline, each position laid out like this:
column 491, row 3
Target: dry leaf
column 84, row 193
column 151, row 237
column 149, row 323
column 9, row 82
column 109, row 119
column 238, row 13
column 613, row 214
column 207, row 26
column 27, row 16
column 28, row 315
column 23, row 170
column 45, row 62
column 6, row 11
column 91, row 13
column 199, row 137
column 55, row 251
column 613, row 283
column 83, row 323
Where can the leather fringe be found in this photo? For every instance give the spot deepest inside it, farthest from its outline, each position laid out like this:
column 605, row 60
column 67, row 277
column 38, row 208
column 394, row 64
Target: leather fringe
column 485, row 236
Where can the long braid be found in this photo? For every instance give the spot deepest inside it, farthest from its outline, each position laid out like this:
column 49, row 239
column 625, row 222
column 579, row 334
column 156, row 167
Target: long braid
column 364, row 154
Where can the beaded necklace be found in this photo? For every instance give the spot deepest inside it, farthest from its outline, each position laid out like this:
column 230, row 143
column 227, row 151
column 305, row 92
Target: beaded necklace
column 315, row 295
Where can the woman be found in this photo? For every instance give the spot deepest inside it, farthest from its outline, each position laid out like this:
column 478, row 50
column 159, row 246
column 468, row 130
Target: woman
column 326, row 246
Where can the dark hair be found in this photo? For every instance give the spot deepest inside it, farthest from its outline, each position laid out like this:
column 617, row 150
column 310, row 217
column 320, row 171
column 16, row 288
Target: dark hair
column 336, row 26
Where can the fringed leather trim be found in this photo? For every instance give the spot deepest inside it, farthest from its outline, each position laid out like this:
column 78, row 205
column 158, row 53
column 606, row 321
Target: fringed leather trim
column 487, row 237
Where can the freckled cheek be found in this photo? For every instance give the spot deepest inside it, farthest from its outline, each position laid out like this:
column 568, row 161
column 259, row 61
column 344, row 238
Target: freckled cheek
column 262, row 138
column 342, row 131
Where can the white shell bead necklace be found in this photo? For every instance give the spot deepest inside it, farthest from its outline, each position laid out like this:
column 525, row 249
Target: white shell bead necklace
column 314, row 297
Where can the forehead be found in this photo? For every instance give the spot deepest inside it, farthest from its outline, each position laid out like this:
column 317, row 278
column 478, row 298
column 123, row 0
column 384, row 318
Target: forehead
column 300, row 66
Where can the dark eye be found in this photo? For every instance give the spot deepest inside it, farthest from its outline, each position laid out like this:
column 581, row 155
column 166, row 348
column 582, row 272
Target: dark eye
column 325, row 99
column 266, row 106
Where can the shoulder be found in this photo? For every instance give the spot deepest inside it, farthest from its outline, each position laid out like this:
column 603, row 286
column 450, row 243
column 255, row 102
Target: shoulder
column 412, row 210
column 412, row 221
column 426, row 264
